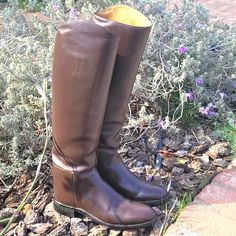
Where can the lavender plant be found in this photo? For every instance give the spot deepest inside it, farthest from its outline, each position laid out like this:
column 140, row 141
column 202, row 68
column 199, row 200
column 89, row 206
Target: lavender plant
column 189, row 68
column 25, row 61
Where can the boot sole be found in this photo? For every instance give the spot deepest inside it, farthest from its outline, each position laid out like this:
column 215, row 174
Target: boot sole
column 79, row 213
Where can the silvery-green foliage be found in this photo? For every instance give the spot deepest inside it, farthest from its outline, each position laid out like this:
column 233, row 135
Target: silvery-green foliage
column 189, row 64
column 25, row 61
column 26, row 52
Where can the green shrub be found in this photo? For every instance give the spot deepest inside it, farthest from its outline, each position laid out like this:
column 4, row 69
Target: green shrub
column 25, row 61
column 227, row 131
column 189, row 68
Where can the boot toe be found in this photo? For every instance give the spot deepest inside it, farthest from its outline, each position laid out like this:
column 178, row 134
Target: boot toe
column 152, row 192
column 135, row 213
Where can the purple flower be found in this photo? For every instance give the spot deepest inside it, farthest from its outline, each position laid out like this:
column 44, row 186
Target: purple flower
column 149, row 178
column 199, row 82
column 182, row 50
column 203, row 111
column 208, row 110
column 56, row 7
column 189, row 96
column 222, row 94
column 234, row 84
column 212, row 114
column 210, row 106
column 73, row 13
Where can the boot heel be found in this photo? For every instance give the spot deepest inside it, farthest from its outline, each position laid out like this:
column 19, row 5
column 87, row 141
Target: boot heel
column 67, row 211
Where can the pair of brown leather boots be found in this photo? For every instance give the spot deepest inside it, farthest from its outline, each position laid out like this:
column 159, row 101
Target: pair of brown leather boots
column 95, row 64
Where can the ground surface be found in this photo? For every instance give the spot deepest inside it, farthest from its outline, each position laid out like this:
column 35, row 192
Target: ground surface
column 191, row 158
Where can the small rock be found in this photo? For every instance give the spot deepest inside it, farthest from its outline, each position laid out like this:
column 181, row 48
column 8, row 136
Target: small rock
column 229, row 158
column 162, row 172
column 21, row 229
column 177, row 171
column 195, row 165
column 223, row 151
column 114, row 232
column 40, row 228
column 181, row 153
column 139, row 164
column 169, row 163
column 123, row 151
column 26, row 208
column 219, row 169
column 31, row 217
column 220, row 162
column 219, row 149
column 130, row 233
column 98, row 230
column 78, row 227
column 60, row 231
column 7, row 212
column 205, row 159
column 54, row 216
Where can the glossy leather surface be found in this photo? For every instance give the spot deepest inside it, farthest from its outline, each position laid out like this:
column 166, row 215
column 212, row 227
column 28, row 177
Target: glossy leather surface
column 132, row 41
column 82, row 68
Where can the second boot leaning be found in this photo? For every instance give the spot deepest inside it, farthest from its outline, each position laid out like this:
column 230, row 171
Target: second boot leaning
column 83, row 62
column 133, row 29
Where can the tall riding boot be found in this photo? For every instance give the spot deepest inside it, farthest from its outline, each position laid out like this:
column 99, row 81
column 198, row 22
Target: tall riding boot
column 82, row 69
column 133, row 29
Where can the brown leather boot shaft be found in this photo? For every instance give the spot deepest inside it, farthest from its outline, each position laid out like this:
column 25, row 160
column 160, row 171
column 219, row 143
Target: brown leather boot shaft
column 133, row 30
column 132, row 41
column 83, row 63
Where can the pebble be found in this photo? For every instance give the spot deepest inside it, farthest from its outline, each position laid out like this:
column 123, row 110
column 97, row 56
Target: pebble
column 220, row 162
column 21, row 229
column 114, row 232
column 205, row 159
column 78, row 227
column 139, row 164
column 130, row 233
column 162, row 172
column 54, row 216
column 181, row 153
column 7, row 212
column 31, row 217
column 177, row 171
column 61, row 230
column 40, row 228
column 219, row 149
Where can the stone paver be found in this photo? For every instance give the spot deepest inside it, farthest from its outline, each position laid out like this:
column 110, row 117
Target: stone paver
column 213, row 211
column 223, row 10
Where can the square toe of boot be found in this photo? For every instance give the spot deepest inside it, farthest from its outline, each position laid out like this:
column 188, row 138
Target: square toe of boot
column 135, row 212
